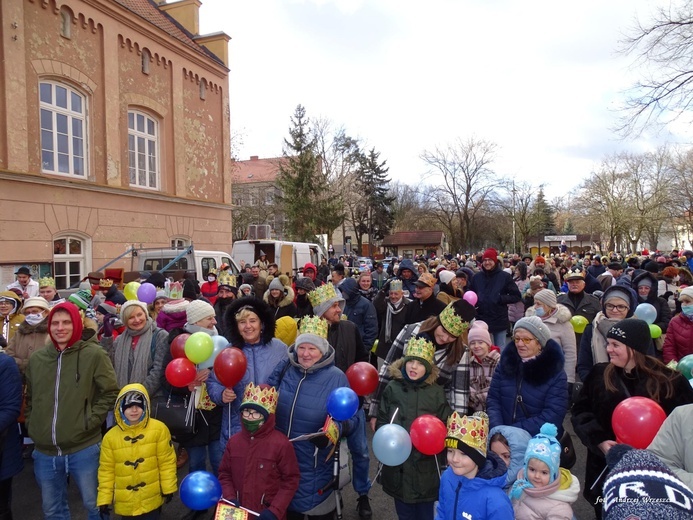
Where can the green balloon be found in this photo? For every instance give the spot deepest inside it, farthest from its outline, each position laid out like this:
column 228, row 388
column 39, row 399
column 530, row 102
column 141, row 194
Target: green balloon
column 579, row 323
column 198, row 347
column 685, row 366
column 655, row 331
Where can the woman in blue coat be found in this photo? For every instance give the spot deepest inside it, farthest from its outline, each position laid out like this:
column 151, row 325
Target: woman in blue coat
column 529, row 386
column 10, row 441
column 304, row 383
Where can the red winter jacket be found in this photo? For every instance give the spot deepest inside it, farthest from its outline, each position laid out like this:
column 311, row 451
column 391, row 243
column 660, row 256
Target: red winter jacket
column 679, row 339
column 260, row 471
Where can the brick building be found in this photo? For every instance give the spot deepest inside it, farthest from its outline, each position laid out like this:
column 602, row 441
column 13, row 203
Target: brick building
column 114, row 130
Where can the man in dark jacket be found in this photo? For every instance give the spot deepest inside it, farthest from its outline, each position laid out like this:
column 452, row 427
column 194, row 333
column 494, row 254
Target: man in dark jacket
column 390, row 305
column 408, row 274
column 495, row 289
column 360, row 312
column 425, row 304
column 577, row 299
column 71, row 385
column 344, row 337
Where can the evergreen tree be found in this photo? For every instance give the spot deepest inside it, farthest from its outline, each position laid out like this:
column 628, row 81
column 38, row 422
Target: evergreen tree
column 308, row 205
column 543, row 215
column 373, row 183
column 569, row 229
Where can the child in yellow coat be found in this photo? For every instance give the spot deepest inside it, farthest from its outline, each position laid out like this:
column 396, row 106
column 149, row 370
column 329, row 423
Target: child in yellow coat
column 137, row 466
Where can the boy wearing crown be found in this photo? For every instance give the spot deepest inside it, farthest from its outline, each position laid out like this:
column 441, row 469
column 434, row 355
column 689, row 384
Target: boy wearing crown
column 472, row 485
column 259, row 470
column 413, row 392
column 48, row 291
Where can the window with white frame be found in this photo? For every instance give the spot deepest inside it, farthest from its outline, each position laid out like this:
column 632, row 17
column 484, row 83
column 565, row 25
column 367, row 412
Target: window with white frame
column 69, row 261
column 179, row 243
column 143, row 156
column 63, row 115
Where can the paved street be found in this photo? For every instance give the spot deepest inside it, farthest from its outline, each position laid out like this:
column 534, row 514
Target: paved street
column 27, row 499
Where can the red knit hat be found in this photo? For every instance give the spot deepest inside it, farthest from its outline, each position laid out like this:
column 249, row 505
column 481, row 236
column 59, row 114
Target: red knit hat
column 540, row 260
column 490, row 253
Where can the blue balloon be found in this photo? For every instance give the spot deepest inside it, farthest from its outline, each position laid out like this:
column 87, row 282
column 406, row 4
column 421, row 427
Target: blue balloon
column 200, row 490
column 392, row 445
column 220, row 343
column 342, row 403
column 646, row 312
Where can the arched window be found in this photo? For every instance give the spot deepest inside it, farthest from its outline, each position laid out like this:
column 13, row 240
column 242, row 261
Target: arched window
column 63, row 115
column 69, row 260
column 143, row 150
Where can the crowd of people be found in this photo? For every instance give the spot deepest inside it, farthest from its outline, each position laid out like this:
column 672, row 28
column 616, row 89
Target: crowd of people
column 485, row 343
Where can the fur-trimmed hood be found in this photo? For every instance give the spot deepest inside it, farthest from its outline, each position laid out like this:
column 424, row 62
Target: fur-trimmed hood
column 39, row 328
column 395, row 370
column 561, row 315
column 259, row 307
column 539, row 370
column 288, row 298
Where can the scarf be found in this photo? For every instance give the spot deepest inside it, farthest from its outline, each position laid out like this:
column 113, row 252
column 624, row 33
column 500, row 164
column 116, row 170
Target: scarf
column 600, row 327
column 392, row 309
column 196, row 328
column 136, row 371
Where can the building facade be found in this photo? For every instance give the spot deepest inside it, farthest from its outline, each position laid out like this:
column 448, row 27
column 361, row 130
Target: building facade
column 114, row 131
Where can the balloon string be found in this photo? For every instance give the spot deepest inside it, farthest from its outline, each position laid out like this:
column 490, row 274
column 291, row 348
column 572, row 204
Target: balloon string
column 394, row 415
column 599, row 477
column 435, row 457
column 380, row 465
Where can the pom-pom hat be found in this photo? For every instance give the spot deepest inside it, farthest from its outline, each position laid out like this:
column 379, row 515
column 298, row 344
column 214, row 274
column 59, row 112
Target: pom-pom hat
column 545, row 447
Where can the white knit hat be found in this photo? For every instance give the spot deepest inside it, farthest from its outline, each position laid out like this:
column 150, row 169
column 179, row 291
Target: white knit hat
column 128, row 305
column 198, row 310
column 36, row 301
column 446, row 276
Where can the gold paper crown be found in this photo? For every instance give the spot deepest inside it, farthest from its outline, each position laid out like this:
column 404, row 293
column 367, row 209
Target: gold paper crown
column 469, row 429
column 212, row 271
column 420, row 348
column 452, row 322
column 314, row 325
column 396, row 285
column 226, row 278
column 47, row 281
column 322, row 294
column 105, row 283
column 264, row 397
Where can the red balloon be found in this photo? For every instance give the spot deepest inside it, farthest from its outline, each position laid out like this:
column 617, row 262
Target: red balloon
column 180, row 372
column 178, row 346
column 230, row 366
column 363, row 378
column 427, row 434
column 636, row 421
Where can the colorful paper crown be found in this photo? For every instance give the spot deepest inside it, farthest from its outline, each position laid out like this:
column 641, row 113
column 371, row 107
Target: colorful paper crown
column 396, row 285
column 175, row 291
column 574, row 273
column 472, row 430
column 452, row 322
column 212, row 271
column 420, row 348
column 47, row 281
column 226, row 278
column 264, row 396
column 314, row 325
column 105, row 283
column 322, row 294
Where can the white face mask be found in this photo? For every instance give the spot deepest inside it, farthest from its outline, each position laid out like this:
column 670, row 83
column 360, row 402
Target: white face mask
column 211, row 278
column 33, row 319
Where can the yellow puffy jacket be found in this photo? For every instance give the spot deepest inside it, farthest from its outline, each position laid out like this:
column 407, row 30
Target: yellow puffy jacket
column 137, row 466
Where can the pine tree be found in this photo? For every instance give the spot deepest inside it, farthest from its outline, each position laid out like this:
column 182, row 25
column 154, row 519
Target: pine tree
column 373, row 183
column 543, row 215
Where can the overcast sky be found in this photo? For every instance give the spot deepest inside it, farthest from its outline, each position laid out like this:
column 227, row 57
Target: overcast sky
column 541, row 79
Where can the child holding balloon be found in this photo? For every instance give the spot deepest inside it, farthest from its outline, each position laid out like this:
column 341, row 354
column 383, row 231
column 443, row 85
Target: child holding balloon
column 413, row 392
column 543, row 489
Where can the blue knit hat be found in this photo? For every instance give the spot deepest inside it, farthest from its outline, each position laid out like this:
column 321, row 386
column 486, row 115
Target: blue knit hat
column 545, row 447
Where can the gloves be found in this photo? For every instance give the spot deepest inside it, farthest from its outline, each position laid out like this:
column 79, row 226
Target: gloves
column 168, row 498
column 267, row 515
column 105, row 512
column 321, row 442
column 108, row 326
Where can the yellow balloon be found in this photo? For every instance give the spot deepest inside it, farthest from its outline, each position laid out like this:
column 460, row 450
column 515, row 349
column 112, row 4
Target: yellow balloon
column 130, row 291
column 579, row 323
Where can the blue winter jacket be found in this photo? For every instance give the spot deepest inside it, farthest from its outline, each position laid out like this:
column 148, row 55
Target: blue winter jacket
column 262, row 358
column 408, row 285
column 479, row 498
column 10, row 405
column 543, row 387
column 302, row 409
column 517, row 442
column 360, row 312
column 495, row 290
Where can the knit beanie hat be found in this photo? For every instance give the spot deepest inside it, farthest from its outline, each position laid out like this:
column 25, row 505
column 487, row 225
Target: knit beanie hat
column 198, row 310
column 81, row 299
column 639, row 485
column 535, row 327
column 245, row 287
column 617, row 292
column 688, row 291
column 132, row 399
column 286, row 330
column 446, row 276
column 479, row 332
column 547, row 297
column 545, row 447
column 35, row 301
column 107, row 308
column 276, row 284
column 305, row 283
column 262, row 398
column 129, row 306
column 633, row 332
column 189, row 292
column 490, row 253
column 645, row 282
column 468, row 433
column 313, row 330
column 323, row 297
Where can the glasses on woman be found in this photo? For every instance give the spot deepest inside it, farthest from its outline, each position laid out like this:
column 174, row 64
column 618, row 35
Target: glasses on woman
column 250, row 413
column 612, row 307
column 524, row 341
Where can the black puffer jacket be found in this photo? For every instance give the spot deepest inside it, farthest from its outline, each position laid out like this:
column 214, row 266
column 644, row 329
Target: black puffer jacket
column 660, row 304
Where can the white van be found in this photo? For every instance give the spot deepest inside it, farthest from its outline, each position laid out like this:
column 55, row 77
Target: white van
column 289, row 256
column 188, row 260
